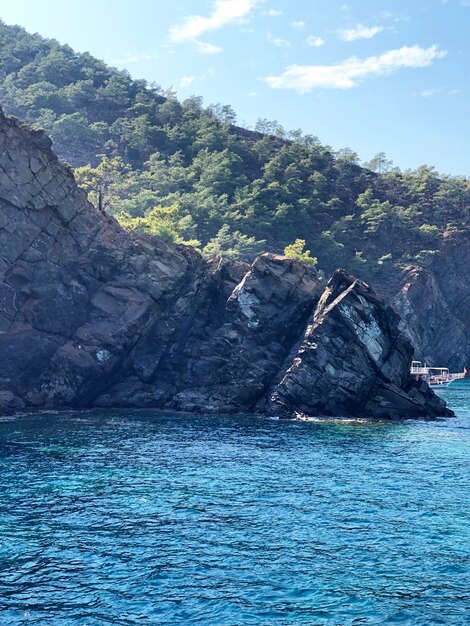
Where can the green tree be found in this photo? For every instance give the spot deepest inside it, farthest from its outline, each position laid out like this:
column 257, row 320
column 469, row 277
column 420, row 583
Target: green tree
column 375, row 215
column 297, row 251
column 234, row 244
column 102, row 182
column 167, row 222
column 379, row 163
column 224, row 113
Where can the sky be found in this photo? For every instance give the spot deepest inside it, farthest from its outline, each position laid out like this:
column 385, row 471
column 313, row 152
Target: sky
column 370, row 75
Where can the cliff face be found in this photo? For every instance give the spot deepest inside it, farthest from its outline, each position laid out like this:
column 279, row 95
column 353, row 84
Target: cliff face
column 92, row 316
column 439, row 332
column 434, row 303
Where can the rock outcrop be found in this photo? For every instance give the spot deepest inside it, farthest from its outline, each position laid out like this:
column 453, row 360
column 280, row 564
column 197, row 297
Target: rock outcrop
column 352, row 360
column 93, row 316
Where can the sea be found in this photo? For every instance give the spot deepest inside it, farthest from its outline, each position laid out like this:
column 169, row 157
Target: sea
column 136, row 518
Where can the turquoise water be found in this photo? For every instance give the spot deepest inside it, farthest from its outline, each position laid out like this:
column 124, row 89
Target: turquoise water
column 142, row 519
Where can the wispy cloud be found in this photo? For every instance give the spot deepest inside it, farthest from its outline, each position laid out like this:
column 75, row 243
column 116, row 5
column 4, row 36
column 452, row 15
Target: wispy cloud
column 359, row 32
column 353, row 71
column 428, row 93
column 272, row 13
column 207, row 48
column 135, row 57
column 298, row 24
column 278, row 42
column 186, row 81
column 314, row 42
column 224, row 12
column 392, row 16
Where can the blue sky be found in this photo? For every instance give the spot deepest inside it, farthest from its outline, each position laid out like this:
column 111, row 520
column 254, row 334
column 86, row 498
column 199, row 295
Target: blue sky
column 371, row 75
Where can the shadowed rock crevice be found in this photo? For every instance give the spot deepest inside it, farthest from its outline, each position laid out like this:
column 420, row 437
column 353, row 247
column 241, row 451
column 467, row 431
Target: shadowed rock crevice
column 91, row 315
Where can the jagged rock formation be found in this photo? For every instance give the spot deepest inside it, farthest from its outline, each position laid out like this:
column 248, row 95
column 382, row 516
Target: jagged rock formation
column 93, row 316
column 352, row 360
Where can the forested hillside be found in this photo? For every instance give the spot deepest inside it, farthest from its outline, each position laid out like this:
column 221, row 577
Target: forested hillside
column 189, row 173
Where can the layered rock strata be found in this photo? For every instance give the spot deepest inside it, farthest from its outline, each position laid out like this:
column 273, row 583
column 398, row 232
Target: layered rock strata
column 352, row 360
column 91, row 315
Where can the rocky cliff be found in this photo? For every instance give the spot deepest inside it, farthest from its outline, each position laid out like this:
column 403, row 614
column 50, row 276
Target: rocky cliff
column 434, row 303
column 93, row 316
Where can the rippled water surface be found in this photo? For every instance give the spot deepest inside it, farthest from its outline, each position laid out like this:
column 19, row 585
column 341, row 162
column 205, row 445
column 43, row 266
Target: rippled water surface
column 152, row 519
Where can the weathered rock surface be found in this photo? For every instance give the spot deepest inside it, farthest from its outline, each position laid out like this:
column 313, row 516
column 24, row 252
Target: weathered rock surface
column 433, row 319
column 353, row 360
column 93, row 316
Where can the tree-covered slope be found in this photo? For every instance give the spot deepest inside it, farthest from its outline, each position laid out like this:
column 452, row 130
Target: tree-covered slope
column 189, row 173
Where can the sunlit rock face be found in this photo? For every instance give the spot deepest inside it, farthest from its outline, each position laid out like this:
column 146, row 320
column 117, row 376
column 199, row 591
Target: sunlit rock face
column 93, row 316
column 352, row 360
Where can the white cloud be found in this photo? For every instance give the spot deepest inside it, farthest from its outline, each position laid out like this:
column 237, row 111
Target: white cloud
column 135, row 58
column 353, row 71
column 278, row 42
column 185, row 81
column 359, row 32
column 314, row 42
column 272, row 13
column 427, row 93
column 298, row 24
column 392, row 16
column 225, row 12
column 207, row 48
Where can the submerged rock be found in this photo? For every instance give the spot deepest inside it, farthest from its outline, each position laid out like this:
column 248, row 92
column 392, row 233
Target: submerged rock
column 91, row 315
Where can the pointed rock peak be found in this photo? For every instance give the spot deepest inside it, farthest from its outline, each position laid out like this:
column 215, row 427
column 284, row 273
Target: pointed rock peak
column 353, row 360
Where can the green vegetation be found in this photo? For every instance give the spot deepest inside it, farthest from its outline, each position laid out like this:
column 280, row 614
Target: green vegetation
column 297, row 251
column 188, row 173
column 165, row 221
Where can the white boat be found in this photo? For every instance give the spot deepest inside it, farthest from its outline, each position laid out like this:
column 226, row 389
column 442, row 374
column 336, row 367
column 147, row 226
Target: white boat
column 436, row 377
